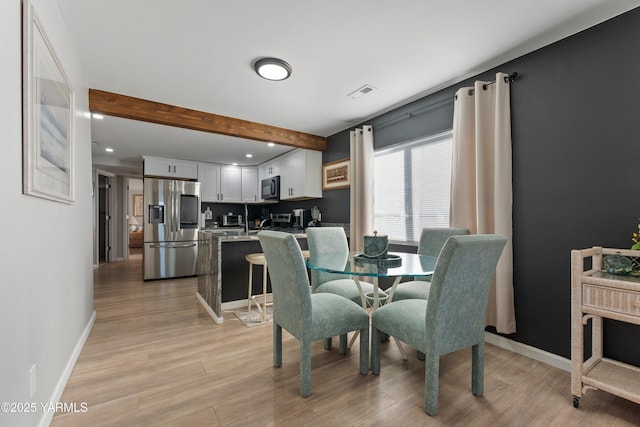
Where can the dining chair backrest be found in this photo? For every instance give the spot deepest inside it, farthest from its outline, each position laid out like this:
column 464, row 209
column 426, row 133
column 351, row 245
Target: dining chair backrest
column 457, row 303
column 327, row 247
column 432, row 239
column 289, row 281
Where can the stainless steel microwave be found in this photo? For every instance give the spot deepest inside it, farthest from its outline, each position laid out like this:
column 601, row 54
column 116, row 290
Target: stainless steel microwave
column 271, row 188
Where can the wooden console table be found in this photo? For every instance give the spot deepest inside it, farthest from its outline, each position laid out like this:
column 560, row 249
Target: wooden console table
column 136, row 239
column 596, row 295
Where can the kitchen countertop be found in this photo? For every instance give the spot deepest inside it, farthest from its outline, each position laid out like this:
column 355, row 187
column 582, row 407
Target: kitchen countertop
column 230, row 235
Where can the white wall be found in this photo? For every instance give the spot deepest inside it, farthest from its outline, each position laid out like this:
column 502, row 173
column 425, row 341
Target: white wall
column 46, row 278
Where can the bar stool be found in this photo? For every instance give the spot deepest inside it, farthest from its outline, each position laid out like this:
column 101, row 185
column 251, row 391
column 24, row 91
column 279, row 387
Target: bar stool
column 261, row 301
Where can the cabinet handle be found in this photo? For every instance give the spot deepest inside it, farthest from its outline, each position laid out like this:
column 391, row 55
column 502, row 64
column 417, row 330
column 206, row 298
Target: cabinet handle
column 169, row 169
column 221, row 196
column 174, row 168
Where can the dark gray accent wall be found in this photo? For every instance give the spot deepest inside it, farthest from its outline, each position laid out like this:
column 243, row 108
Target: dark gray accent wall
column 576, row 161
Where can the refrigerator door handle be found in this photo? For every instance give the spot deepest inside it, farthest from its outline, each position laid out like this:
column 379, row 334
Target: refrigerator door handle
column 172, row 245
column 176, row 211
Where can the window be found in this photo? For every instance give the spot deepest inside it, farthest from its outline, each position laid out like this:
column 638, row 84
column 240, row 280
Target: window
column 412, row 187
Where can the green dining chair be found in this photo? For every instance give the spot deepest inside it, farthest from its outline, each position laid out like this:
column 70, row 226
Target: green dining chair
column 453, row 316
column 328, row 247
column 431, row 242
column 308, row 317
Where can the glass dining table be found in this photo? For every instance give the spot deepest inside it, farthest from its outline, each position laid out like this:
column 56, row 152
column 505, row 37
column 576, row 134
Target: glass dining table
column 397, row 265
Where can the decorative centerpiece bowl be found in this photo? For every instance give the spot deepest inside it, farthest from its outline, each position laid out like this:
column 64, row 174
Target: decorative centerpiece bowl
column 375, row 246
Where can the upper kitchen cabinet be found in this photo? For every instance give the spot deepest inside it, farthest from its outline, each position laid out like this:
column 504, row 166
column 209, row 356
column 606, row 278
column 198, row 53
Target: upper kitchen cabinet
column 269, row 169
column 250, row 185
column 301, row 175
column 230, row 184
column 220, row 183
column 209, row 177
column 170, row 168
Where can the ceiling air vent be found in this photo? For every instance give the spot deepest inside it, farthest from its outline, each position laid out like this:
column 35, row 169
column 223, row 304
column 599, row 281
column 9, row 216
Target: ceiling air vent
column 361, row 91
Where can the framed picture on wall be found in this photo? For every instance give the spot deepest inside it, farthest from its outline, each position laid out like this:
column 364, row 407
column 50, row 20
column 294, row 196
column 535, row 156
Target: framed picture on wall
column 48, row 102
column 336, row 175
column 137, row 205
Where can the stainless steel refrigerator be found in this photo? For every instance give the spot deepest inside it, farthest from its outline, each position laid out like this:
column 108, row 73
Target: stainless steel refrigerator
column 171, row 213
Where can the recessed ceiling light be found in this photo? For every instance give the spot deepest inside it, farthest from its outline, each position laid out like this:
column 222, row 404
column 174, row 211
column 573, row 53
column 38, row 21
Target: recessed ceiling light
column 108, row 150
column 234, row 164
column 271, row 144
column 272, row 69
column 97, row 116
column 249, row 155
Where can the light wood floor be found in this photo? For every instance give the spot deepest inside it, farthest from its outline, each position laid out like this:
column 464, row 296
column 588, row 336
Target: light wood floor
column 155, row 358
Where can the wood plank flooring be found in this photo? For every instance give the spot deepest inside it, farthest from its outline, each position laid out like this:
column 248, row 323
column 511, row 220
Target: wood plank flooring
column 155, row 358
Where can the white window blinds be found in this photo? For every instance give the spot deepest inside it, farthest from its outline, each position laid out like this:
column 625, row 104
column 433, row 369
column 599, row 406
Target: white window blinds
column 412, row 187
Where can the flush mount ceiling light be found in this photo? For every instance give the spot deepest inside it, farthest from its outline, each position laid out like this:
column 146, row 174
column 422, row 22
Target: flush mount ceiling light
column 272, row 68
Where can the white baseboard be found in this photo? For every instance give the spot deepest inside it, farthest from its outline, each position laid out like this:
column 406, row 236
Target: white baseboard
column 231, row 305
column 528, row 351
column 216, row 319
column 47, row 417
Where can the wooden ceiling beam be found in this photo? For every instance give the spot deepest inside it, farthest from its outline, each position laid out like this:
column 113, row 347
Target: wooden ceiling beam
column 113, row 104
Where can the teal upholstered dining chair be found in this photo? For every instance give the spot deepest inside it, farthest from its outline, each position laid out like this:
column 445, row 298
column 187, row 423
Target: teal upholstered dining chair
column 431, row 242
column 453, row 316
column 328, row 247
column 308, row 317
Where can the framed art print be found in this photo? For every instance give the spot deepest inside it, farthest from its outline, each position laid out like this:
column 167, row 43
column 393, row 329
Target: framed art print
column 336, row 175
column 48, row 102
column 137, row 205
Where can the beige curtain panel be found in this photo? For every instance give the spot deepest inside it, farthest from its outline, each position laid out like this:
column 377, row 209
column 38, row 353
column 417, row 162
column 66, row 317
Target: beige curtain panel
column 361, row 204
column 481, row 185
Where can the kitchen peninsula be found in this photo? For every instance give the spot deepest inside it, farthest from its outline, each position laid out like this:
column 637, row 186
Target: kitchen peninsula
column 223, row 272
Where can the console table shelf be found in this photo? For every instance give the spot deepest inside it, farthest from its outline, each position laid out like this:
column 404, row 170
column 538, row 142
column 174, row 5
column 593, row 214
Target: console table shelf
column 596, row 295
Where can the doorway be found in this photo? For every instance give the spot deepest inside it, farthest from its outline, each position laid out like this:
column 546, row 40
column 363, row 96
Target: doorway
column 135, row 218
column 104, row 217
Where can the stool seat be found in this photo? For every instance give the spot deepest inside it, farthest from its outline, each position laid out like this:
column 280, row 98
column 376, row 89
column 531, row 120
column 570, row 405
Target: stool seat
column 257, row 259
column 261, row 301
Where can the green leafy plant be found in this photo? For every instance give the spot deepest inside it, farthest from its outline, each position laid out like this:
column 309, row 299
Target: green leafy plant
column 636, row 239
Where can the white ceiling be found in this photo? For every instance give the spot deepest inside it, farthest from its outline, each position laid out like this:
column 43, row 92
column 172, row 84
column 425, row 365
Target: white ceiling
column 199, row 53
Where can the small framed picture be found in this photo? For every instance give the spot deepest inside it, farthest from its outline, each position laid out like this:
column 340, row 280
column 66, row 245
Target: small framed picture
column 137, row 205
column 48, row 103
column 336, row 174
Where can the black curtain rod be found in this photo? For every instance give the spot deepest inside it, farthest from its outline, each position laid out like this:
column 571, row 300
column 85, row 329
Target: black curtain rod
column 413, row 113
column 511, row 77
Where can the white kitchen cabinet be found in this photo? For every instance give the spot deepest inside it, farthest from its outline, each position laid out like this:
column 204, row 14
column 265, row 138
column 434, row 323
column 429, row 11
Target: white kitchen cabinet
column 209, row 177
column 170, row 168
column 230, row 184
column 269, row 169
column 222, row 184
column 301, row 175
column 250, row 185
